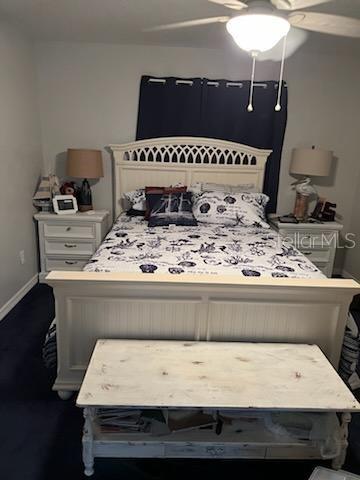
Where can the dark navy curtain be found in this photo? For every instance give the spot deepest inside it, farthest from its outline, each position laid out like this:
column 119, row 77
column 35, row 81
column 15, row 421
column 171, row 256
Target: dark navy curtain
column 216, row 109
column 169, row 108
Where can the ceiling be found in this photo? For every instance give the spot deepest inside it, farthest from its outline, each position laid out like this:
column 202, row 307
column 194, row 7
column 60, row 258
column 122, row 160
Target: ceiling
column 124, row 21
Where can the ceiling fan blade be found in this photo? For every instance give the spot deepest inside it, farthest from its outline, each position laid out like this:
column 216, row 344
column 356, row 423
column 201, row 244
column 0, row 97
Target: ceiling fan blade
column 296, row 4
column 234, row 4
column 188, row 23
column 324, row 23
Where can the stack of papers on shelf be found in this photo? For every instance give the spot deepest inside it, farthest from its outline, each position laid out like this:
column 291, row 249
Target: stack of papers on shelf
column 120, row 420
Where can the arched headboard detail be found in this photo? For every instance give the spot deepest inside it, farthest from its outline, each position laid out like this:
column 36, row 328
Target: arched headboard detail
column 169, row 160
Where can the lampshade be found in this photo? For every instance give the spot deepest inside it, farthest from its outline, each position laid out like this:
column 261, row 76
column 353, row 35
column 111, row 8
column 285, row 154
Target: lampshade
column 311, row 162
column 82, row 163
column 257, row 32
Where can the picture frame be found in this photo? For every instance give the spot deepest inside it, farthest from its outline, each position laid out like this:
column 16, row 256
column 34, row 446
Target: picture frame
column 320, row 204
column 65, row 204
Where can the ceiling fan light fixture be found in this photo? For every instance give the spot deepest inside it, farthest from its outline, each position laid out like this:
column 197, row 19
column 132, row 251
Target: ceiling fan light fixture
column 257, row 33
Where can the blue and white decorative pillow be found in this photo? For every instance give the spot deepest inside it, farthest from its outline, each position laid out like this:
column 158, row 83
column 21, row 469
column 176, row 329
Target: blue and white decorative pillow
column 216, row 208
column 171, row 209
column 230, row 209
column 258, row 201
column 136, row 199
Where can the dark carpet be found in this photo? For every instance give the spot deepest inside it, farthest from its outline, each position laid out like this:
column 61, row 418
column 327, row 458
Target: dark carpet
column 40, row 435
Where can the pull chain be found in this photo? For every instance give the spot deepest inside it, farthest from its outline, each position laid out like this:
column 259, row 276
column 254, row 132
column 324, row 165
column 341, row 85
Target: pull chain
column 278, row 104
column 250, row 107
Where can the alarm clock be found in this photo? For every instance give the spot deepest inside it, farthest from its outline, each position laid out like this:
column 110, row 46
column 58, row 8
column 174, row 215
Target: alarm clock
column 65, row 204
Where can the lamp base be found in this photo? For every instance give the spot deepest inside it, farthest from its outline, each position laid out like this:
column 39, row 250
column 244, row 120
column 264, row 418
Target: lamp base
column 85, row 208
column 85, row 197
column 301, row 207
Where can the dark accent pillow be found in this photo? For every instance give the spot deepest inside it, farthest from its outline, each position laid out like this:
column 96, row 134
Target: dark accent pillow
column 171, row 209
column 159, row 191
column 135, row 213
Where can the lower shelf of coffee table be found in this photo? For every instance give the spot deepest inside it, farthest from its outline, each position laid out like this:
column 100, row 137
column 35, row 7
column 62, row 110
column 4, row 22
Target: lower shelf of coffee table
column 260, row 436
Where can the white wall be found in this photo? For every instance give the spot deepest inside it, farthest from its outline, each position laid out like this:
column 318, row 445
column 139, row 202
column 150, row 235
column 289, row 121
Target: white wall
column 89, row 98
column 89, row 93
column 324, row 110
column 20, row 160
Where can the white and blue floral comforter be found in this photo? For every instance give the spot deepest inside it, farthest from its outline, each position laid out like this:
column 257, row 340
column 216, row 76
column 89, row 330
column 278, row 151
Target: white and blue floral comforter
column 131, row 246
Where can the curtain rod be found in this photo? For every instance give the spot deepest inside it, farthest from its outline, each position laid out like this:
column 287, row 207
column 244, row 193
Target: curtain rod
column 212, row 83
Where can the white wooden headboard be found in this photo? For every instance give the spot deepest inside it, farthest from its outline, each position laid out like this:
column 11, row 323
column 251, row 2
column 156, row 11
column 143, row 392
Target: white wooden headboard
column 169, row 160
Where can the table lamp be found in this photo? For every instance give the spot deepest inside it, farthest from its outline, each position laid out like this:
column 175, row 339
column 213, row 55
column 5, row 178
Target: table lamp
column 309, row 162
column 83, row 163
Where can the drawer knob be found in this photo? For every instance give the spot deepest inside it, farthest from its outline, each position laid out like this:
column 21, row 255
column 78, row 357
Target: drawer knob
column 70, row 245
column 306, row 253
column 68, row 229
column 71, row 262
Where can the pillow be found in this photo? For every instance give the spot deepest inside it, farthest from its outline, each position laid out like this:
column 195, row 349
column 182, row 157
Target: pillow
column 258, row 201
column 217, row 208
column 251, row 213
column 131, row 212
column 199, row 187
column 151, row 200
column 171, row 209
column 230, row 209
column 219, row 187
column 135, row 202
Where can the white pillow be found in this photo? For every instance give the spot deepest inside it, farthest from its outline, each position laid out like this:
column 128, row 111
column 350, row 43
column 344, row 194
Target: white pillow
column 219, row 187
column 200, row 187
column 229, row 209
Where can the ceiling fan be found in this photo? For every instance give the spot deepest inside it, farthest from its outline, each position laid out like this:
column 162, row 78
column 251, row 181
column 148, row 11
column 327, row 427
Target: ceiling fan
column 260, row 25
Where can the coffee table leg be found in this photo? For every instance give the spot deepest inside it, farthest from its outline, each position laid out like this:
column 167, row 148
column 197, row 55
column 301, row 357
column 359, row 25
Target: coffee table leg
column 87, row 442
column 338, row 462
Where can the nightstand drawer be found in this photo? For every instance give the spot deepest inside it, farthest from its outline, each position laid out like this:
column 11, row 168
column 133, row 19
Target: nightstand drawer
column 69, row 247
column 316, row 255
column 57, row 230
column 68, row 264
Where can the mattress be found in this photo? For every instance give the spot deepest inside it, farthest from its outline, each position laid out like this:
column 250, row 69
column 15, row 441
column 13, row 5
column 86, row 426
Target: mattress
column 131, row 246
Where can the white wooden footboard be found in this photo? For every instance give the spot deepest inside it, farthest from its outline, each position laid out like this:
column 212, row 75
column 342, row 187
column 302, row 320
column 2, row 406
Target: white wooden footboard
column 118, row 305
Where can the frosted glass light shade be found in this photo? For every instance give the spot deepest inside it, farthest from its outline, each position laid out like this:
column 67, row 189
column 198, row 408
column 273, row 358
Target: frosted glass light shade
column 311, row 162
column 256, row 32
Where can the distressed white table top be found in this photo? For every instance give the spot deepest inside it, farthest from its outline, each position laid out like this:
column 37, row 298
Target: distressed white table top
column 181, row 374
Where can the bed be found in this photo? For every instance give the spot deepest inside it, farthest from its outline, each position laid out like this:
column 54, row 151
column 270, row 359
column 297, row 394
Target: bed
column 205, row 249
column 245, row 286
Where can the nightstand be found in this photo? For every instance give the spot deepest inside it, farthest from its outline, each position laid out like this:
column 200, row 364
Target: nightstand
column 67, row 242
column 318, row 241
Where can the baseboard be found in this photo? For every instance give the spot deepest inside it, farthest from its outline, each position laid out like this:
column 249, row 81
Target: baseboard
column 15, row 299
